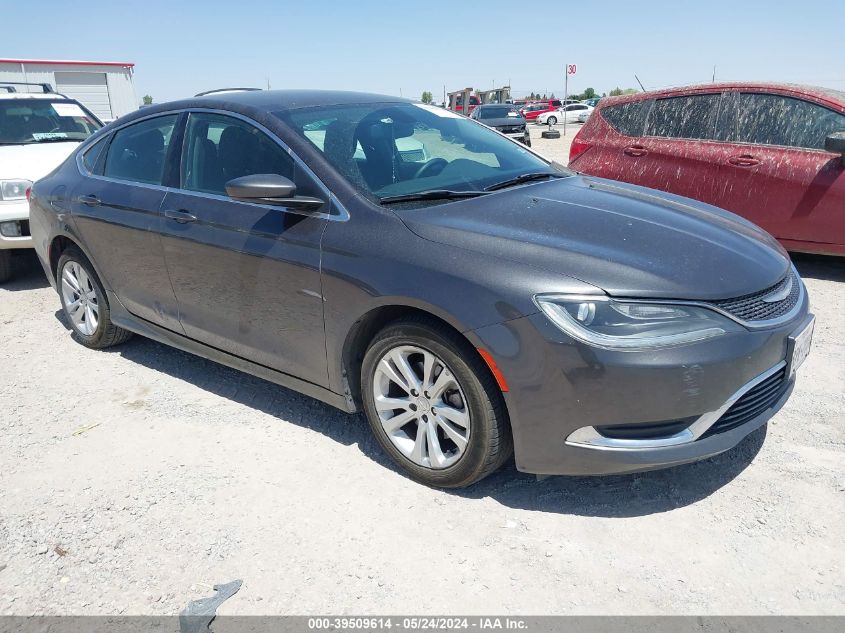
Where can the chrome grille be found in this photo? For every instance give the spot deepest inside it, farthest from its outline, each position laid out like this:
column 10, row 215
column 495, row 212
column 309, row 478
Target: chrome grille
column 754, row 307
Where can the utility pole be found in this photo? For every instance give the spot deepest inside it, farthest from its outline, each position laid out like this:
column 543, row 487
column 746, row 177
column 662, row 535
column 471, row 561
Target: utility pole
column 565, row 95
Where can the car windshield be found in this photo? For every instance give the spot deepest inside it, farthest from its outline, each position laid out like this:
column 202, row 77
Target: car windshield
column 399, row 149
column 28, row 121
column 496, row 112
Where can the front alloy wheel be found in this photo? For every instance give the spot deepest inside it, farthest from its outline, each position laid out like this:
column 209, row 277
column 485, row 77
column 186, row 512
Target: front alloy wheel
column 421, row 406
column 433, row 404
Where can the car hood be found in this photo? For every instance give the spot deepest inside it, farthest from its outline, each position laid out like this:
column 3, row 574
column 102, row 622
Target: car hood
column 33, row 161
column 629, row 241
column 506, row 121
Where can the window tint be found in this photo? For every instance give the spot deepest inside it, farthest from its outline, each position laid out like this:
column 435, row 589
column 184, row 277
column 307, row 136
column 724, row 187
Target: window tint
column 137, row 152
column 627, row 118
column 219, row 148
column 684, row 117
column 93, row 153
column 556, row 103
column 768, row 119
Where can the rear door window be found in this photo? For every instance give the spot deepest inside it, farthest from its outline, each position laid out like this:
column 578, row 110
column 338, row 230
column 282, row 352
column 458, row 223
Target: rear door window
column 91, row 157
column 769, row 119
column 137, row 152
column 627, row 118
column 219, row 148
column 692, row 117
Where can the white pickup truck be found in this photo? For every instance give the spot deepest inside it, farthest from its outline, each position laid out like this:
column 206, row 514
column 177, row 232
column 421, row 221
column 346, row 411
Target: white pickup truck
column 38, row 131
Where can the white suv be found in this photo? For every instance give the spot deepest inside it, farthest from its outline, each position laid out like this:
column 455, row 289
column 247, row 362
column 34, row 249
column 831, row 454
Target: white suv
column 38, row 131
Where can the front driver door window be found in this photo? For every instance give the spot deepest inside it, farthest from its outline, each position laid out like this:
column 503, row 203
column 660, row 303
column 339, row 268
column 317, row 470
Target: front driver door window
column 117, row 213
column 247, row 275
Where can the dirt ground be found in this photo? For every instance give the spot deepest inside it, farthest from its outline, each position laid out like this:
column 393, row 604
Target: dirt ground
column 133, row 480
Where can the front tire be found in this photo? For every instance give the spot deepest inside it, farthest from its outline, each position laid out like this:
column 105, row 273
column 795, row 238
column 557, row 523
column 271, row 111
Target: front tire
column 433, row 405
column 84, row 302
column 5, row 266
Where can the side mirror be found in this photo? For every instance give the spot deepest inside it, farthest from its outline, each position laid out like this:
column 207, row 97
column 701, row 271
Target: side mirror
column 268, row 189
column 835, row 142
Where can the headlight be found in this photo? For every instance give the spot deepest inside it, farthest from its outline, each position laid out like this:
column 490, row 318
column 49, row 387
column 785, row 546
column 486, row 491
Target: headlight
column 14, row 189
column 632, row 325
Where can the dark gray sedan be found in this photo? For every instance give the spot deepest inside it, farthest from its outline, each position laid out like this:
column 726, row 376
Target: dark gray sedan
column 475, row 300
column 505, row 119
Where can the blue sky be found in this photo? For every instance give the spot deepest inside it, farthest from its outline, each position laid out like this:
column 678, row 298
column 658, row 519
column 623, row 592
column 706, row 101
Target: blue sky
column 183, row 47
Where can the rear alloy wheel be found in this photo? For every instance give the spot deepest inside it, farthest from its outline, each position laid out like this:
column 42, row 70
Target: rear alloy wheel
column 433, row 405
column 551, row 120
column 84, row 302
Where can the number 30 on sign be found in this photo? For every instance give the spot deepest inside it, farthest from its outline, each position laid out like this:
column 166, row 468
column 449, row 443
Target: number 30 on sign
column 571, row 68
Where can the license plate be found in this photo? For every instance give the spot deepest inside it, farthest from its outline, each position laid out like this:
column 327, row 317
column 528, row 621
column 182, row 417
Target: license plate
column 801, row 345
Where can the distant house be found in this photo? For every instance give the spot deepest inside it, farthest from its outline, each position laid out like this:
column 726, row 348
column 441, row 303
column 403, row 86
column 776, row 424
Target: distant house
column 105, row 88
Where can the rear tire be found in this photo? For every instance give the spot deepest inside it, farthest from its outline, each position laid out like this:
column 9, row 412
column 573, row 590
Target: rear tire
column 455, row 431
column 84, row 302
column 552, row 120
column 5, row 266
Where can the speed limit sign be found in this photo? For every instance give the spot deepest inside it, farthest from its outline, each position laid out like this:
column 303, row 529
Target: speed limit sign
column 571, row 68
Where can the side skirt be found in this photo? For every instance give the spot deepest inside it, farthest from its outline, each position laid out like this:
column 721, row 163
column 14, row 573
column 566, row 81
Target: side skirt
column 122, row 317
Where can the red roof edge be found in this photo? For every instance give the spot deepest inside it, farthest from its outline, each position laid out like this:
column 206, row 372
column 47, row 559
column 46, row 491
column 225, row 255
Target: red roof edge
column 65, row 62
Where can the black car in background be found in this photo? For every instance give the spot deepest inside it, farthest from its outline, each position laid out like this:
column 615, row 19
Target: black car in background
column 473, row 298
column 504, row 118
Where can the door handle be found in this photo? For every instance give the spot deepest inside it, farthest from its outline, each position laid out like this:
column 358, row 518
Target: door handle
column 90, row 200
column 635, row 150
column 745, row 160
column 182, row 217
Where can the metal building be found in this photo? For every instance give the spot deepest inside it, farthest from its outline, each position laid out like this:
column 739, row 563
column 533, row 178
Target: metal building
column 105, row 88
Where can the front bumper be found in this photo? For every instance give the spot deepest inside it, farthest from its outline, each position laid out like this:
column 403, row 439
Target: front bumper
column 15, row 212
column 559, row 387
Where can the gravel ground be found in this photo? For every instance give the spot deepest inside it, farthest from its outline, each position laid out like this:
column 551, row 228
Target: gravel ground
column 133, row 480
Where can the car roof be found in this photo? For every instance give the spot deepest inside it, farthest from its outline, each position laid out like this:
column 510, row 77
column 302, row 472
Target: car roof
column 825, row 94
column 261, row 103
column 275, row 100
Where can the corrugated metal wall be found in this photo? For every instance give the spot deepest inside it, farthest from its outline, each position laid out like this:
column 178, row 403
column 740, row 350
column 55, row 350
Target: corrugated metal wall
column 121, row 89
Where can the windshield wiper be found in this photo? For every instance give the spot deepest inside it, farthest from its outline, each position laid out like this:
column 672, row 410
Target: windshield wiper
column 432, row 194
column 518, row 180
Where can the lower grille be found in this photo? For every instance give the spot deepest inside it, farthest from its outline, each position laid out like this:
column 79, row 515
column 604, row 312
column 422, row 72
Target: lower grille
column 754, row 402
column 656, row 430
column 24, row 228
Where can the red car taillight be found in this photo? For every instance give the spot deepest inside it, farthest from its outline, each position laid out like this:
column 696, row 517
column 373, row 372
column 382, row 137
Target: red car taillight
column 577, row 148
column 27, row 193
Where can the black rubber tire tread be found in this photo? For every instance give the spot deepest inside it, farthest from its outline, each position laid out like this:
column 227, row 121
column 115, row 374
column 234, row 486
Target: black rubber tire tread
column 107, row 334
column 550, row 134
column 5, row 266
column 491, row 441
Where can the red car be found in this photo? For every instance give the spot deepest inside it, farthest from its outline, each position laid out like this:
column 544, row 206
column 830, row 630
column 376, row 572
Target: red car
column 474, row 102
column 535, row 108
column 774, row 154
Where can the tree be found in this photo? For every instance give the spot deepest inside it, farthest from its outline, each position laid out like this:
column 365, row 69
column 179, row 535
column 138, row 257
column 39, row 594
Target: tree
column 147, row 100
column 589, row 93
column 426, row 97
column 618, row 91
